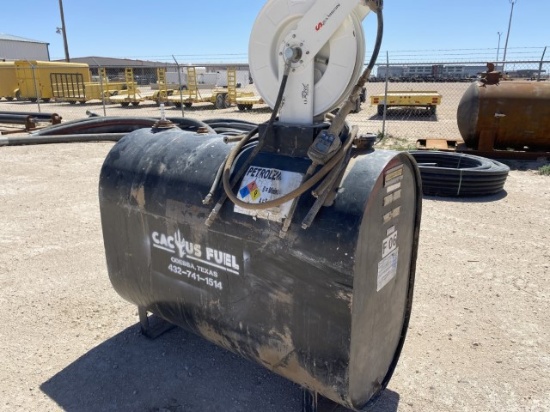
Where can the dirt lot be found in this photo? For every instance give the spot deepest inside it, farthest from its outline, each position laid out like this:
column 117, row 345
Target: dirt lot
column 478, row 339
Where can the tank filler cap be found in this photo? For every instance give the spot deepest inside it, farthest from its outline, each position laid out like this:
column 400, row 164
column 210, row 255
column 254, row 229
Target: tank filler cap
column 163, row 123
column 490, row 76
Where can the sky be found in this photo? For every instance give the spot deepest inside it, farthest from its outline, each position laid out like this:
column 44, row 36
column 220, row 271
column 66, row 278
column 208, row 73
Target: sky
column 218, row 31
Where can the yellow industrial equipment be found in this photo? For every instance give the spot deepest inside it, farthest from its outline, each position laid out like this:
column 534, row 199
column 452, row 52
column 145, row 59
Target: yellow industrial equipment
column 231, row 96
column 131, row 95
column 160, row 96
column 96, row 90
column 247, row 102
column 8, row 81
column 427, row 99
column 221, row 97
column 46, row 80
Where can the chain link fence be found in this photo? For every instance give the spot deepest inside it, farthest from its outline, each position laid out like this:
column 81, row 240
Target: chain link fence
column 406, row 100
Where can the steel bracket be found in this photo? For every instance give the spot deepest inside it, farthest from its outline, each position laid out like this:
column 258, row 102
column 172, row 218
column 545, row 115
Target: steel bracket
column 150, row 329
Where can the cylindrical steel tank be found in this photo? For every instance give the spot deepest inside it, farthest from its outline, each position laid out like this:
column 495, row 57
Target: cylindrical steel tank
column 507, row 115
column 327, row 307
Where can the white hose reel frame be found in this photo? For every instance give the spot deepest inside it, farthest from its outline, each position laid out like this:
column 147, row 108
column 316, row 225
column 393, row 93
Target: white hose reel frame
column 337, row 66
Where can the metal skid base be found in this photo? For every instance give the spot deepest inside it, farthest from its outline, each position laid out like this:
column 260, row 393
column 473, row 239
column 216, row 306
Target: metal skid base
column 309, row 400
column 152, row 327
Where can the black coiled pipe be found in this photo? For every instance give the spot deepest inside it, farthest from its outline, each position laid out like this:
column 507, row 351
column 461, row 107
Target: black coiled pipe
column 458, row 174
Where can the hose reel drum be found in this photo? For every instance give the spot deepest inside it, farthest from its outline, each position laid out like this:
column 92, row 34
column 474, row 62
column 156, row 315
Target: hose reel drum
column 334, row 65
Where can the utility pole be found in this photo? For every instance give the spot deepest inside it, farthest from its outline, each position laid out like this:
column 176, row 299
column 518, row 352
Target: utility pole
column 512, row 2
column 498, row 47
column 64, row 31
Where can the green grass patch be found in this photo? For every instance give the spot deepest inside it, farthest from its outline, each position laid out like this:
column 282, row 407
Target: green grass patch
column 544, row 170
column 391, row 142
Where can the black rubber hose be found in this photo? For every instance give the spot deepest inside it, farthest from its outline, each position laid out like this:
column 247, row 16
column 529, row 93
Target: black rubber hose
column 91, row 124
column 228, row 132
column 64, row 138
column 233, row 122
column 231, row 127
column 340, row 118
column 15, row 118
column 118, row 124
column 243, row 128
column 233, row 154
column 37, row 115
column 228, row 164
column 217, row 179
column 459, row 174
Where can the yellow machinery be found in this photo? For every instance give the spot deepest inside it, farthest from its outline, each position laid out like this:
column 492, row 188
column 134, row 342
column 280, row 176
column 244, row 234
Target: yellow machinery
column 247, row 102
column 103, row 88
column 231, row 86
column 161, row 95
column 131, row 95
column 191, row 95
column 8, row 81
column 46, row 80
column 221, row 97
column 427, row 99
column 192, row 85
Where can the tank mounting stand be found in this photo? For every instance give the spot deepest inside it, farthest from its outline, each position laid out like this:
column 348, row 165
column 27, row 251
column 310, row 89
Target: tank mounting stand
column 152, row 330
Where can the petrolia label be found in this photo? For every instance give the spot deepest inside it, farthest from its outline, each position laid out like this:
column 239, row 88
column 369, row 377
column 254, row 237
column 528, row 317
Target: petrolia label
column 261, row 184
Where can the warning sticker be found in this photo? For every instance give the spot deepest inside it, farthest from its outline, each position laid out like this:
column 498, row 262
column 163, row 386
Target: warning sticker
column 261, row 185
column 393, row 175
column 387, row 269
column 251, row 190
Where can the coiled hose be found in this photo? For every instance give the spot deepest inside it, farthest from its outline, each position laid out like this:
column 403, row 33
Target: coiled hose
column 117, row 124
column 458, row 174
column 336, row 128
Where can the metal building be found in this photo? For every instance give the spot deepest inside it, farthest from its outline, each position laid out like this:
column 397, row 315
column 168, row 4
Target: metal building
column 456, row 71
column 20, row 48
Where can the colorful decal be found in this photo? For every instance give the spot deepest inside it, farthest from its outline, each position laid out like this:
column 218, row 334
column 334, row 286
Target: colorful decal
column 260, row 185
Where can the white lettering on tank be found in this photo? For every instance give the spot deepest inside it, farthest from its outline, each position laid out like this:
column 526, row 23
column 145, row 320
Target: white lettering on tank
column 186, row 249
column 222, row 258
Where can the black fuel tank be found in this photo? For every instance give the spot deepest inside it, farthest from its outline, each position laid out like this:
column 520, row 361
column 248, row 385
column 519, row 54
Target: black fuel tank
column 326, row 307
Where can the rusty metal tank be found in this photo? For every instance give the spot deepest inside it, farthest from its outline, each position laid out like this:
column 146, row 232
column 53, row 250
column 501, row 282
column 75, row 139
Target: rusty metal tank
column 506, row 115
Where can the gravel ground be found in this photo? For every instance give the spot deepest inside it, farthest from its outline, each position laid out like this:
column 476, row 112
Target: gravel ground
column 478, row 339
